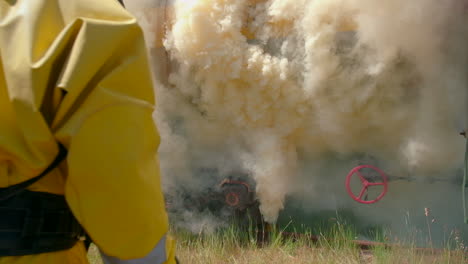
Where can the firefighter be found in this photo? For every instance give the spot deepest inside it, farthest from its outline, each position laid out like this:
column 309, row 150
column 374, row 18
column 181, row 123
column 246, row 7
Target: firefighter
column 77, row 140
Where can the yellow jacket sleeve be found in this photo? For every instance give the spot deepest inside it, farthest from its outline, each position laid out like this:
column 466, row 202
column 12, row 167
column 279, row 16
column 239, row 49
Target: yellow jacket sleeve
column 84, row 80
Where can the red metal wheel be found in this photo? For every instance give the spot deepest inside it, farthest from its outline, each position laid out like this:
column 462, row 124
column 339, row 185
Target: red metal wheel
column 232, row 199
column 366, row 184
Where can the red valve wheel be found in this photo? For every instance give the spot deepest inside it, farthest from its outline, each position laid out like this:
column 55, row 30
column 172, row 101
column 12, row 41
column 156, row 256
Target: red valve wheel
column 232, row 199
column 366, row 184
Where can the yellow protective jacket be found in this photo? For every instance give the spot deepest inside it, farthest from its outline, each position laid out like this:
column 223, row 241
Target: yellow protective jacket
column 76, row 72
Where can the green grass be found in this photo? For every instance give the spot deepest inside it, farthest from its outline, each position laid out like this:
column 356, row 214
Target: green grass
column 334, row 245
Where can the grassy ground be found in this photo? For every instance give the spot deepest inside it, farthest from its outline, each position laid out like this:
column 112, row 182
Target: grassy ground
column 336, row 246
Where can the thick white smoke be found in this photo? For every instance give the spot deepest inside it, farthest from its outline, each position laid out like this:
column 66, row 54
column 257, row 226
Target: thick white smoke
column 252, row 84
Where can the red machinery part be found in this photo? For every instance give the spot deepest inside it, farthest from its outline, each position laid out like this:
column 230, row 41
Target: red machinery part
column 232, row 199
column 227, row 181
column 237, row 193
column 366, row 184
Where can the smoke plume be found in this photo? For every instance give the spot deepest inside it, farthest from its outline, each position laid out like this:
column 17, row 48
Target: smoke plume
column 259, row 85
